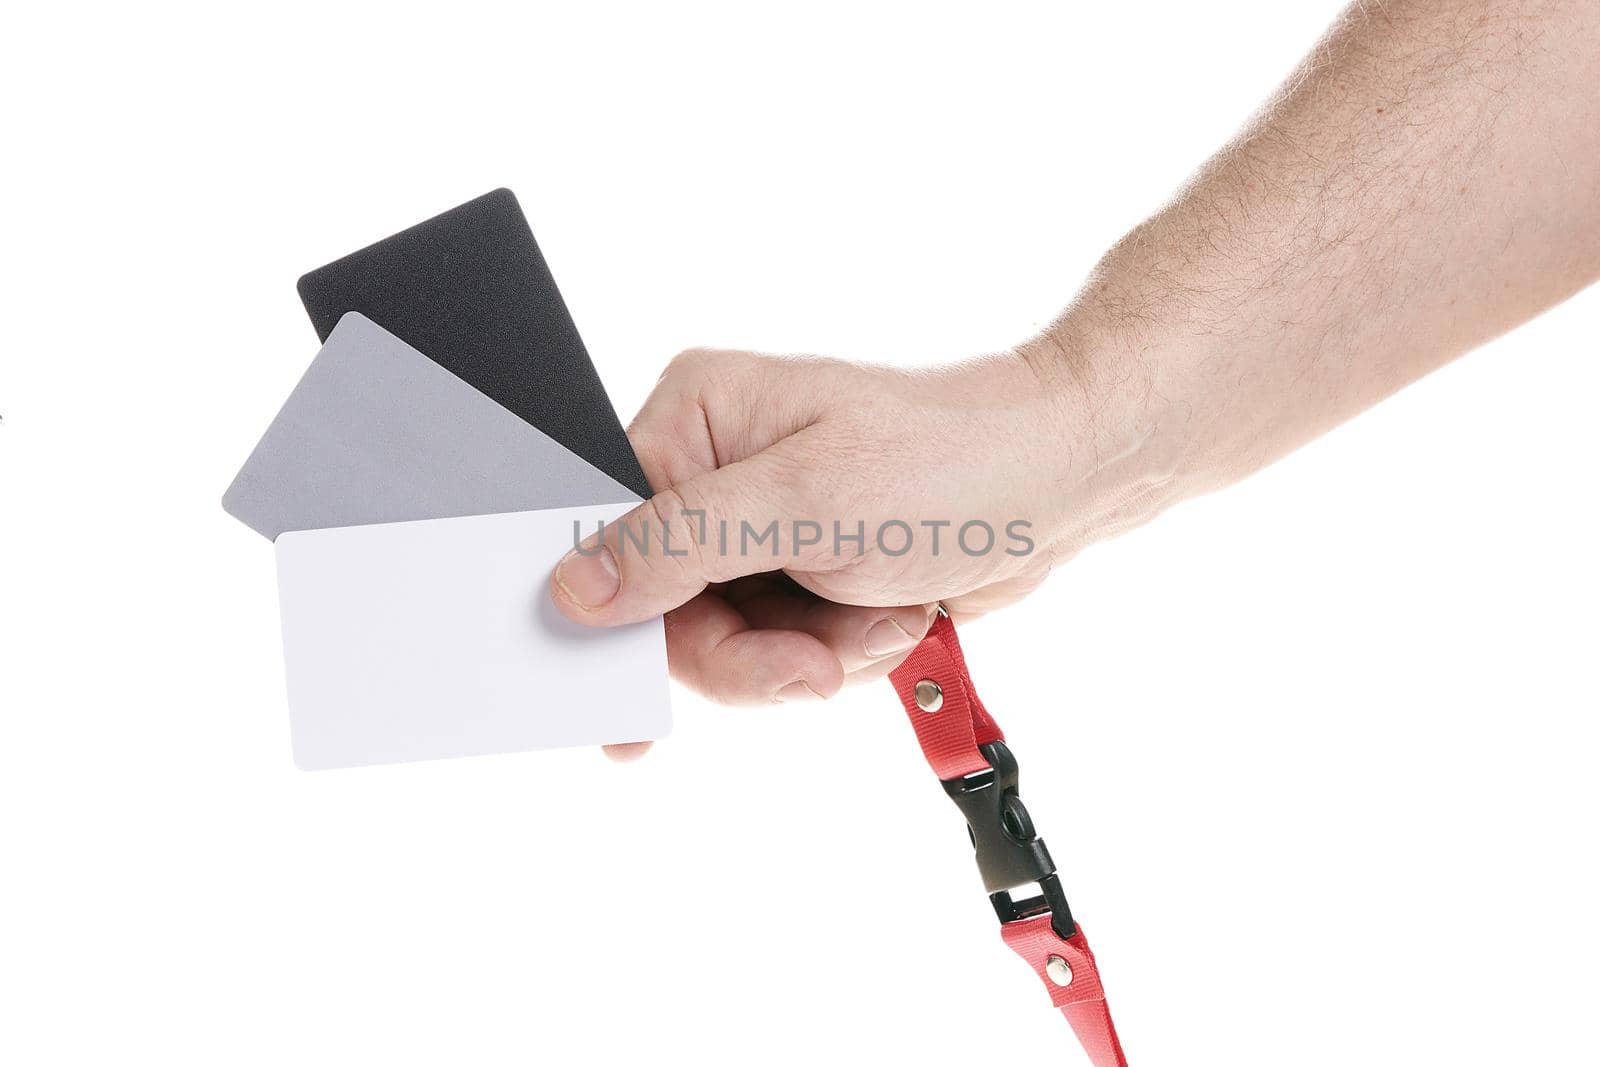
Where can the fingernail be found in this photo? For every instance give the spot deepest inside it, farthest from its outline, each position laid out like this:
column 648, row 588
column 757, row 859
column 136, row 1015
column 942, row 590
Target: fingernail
column 886, row 638
column 590, row 581
column 797, row 693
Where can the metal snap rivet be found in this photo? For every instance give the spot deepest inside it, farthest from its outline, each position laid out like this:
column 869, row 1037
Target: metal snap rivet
column 930, row 697
column 1059, row 970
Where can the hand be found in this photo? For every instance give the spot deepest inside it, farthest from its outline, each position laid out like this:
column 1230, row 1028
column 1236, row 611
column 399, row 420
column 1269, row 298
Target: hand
column 1424, row 182
column 891, row 491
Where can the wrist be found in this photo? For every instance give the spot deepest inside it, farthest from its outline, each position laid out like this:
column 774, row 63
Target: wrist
column 1120, row 421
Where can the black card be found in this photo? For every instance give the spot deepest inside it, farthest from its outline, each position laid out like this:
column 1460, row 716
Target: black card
column 470, row 289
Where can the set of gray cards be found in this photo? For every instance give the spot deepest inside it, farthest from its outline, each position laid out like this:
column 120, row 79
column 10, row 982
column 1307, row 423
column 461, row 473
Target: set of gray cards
column 437, row 459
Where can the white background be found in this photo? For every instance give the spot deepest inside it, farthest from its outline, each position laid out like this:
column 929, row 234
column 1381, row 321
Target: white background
column 1316, row 754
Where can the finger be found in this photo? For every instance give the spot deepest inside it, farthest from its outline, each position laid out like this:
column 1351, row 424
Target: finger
column 694, row 620
column 666, row 550
column 857, row 636
column 712, row 650
column 694, row 623
column 712, row 407
column 875, row 671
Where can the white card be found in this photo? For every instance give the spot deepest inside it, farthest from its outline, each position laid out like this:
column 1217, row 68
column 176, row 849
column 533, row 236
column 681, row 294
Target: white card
column 432, row 639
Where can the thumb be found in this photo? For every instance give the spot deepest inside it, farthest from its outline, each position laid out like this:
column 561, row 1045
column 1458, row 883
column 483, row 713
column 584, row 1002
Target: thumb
column 715, row 527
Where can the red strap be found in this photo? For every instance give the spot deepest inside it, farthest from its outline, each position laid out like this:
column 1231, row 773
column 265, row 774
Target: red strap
column 1081, row 1000
column 950, row 736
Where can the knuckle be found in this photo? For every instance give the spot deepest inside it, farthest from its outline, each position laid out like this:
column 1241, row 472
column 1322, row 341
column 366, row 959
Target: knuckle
column 681, row 546
column 715, row 368
column 703, row 519
column 689, row 363
column 718, row 689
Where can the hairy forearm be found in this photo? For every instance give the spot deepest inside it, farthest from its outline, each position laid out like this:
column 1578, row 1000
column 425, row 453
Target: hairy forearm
column 1428, row 178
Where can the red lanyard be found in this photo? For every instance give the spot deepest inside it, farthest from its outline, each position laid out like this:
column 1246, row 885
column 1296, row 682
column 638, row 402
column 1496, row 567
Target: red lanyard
column 966, row 749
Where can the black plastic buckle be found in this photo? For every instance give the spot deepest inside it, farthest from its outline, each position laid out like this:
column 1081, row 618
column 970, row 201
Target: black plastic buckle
column 1009, row 852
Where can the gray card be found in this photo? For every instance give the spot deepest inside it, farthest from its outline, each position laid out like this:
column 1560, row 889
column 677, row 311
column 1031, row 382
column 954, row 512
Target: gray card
column 378, row 432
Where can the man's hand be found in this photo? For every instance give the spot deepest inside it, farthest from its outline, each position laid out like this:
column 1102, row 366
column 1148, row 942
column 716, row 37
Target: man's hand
column 1428, row 178
column 812, row 513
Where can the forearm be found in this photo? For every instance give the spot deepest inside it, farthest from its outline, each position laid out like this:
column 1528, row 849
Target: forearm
column 1427, row 179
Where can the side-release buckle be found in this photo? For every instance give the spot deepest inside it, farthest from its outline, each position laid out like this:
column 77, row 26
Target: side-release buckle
column 1009, row 852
